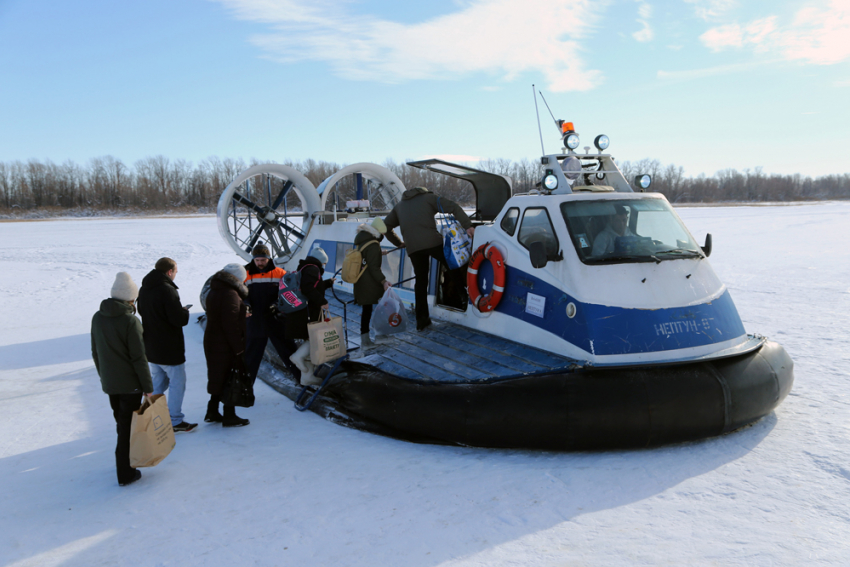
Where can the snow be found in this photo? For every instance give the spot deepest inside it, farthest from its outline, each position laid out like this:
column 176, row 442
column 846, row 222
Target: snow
column 294, row 489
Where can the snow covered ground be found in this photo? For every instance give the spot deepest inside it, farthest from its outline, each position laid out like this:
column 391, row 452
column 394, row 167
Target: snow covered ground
column 293, row 489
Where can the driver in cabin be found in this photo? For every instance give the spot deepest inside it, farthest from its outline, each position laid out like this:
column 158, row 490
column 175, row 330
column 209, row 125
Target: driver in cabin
column 618, row 225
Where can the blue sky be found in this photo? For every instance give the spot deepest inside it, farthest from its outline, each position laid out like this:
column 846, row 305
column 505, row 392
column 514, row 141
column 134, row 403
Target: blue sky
column 705, row 84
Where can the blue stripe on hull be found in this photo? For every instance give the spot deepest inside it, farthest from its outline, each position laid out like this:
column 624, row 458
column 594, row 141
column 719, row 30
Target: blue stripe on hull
column 606, row 330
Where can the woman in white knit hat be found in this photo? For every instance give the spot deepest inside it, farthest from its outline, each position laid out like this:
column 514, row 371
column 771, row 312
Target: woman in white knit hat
column 118, row 350
column 372, row 284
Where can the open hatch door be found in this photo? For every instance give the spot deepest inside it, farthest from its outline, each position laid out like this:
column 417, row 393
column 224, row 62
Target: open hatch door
column 492, row 190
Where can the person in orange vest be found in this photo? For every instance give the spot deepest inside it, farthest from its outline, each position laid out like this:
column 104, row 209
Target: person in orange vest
column 263, row 283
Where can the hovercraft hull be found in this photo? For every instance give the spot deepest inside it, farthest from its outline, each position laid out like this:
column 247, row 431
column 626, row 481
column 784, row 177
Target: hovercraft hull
column 575, row 408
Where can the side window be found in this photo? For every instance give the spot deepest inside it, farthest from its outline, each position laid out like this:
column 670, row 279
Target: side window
column 509, row 221
column 341, row 249
column 537, row 227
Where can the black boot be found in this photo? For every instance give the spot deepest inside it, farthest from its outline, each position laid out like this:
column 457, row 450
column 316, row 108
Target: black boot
column 212, row 411
column 230, row 418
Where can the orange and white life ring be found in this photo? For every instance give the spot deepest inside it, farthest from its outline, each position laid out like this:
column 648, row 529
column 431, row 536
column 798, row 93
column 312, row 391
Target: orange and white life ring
column 491, row 300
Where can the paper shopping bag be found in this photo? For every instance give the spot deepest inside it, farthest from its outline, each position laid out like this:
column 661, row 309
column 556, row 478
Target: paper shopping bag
column 151, row 434
column 326, row 339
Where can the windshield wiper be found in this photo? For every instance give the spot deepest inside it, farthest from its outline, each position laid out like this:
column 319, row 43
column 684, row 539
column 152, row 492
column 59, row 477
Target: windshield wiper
column 682, row 253
column 623, row 258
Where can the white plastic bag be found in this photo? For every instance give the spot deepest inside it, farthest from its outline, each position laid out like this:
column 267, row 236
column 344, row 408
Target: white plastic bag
column 389, row 316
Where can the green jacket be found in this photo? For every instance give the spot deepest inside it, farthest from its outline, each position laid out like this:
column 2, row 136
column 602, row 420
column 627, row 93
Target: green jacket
column 118, row 349
column 415, row 215
column 370, row 287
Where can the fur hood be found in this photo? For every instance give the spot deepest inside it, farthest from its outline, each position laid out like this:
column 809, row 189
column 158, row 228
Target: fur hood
column 231, row 281
column 370, row 229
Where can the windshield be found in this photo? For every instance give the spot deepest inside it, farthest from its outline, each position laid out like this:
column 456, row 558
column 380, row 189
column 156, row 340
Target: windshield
column 639, row 230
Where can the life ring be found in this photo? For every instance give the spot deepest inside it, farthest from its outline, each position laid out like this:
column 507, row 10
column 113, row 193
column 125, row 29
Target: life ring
column 491, row 300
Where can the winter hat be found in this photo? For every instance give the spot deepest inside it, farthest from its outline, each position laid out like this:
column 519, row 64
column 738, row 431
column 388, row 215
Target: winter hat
column 124, row 287
column 236, row 270
column 379, row 225
column 261, row 251
column 319, row 255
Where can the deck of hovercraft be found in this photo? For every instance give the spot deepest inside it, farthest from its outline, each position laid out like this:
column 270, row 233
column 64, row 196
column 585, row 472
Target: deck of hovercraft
column 444, row 352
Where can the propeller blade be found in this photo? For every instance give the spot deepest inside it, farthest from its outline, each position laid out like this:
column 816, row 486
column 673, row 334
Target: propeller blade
column 247, row 202
column 291, row 229
column 274, row 244
column 283, row 191
column 254, row 237
column 284, row 241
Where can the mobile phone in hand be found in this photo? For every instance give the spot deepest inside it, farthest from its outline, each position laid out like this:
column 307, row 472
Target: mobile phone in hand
column 188, row 306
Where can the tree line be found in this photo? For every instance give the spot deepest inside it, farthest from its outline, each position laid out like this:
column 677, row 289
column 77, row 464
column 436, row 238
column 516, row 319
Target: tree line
column 162, row 184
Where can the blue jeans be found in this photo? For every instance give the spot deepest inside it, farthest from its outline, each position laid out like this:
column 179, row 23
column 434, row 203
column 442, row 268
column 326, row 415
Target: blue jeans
column 173, row 379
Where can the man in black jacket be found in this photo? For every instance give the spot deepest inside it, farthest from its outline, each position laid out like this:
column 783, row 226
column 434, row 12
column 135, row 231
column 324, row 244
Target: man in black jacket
column 414, row 214
column 163, row 319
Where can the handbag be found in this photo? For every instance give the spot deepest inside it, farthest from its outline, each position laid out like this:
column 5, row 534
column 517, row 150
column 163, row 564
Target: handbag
column 151, row 434
column 390, row 315
column 457, row 247
column 239, row 389
column 326, row 338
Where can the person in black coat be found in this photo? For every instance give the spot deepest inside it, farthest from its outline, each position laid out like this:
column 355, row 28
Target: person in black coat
column 313, row 288
column 163, row 319
column 224, row 338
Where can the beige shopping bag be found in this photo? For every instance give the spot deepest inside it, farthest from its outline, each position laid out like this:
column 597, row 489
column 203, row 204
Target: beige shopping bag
column 326, row 339
column 151, row 434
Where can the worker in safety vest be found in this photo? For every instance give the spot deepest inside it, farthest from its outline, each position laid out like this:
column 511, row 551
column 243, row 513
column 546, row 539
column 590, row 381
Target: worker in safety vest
column 263, row 283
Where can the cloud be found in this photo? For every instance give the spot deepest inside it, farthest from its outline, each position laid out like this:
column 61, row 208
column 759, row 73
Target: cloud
column 816, row 35
column 712, row 9
column 490, row 36
column 819, row 36
column 734, row 35
column 645, row 33
column 844, row 83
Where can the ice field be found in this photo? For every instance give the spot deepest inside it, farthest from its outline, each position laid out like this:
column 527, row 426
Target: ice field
column 294, row 489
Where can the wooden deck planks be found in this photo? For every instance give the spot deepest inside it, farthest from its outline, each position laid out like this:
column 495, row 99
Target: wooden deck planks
column 445, row 352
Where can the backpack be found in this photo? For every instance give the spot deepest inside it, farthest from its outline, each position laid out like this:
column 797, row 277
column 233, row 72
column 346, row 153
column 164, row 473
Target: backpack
column 352, row 265
column 289, row 298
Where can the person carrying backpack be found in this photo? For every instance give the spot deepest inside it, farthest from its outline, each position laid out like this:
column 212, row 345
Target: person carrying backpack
column 313, row 289
column 371, row 283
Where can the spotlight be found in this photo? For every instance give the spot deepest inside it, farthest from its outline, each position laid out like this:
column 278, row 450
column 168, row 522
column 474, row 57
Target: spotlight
column 601, row 142
column 643, row 181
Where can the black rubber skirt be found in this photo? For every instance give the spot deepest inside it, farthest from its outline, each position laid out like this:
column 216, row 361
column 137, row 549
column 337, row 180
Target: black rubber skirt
column 584, row 409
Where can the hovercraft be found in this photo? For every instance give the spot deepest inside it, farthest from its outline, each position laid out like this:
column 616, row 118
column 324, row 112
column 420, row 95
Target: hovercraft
column 592, row 319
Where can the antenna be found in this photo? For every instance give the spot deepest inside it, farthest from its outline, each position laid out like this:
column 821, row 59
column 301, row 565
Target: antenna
column 557, row 126
column 539, row 129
